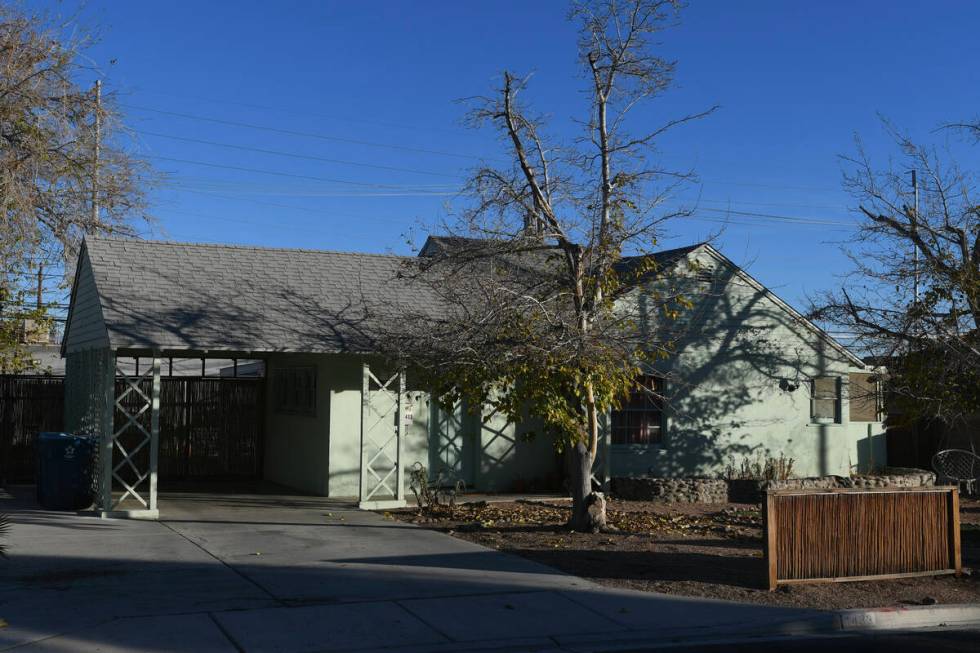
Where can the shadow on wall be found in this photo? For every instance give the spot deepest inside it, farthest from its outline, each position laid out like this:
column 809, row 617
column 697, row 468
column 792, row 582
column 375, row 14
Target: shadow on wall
column 491, row 454
column 872, row 450
column 736, row 382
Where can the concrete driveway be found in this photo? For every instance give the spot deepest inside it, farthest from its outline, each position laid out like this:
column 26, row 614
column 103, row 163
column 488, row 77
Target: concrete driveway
column 287, row 573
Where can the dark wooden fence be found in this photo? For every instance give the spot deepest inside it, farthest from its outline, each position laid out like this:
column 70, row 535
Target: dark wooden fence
column 209, row 427
column 851, row 534
column 28, row 405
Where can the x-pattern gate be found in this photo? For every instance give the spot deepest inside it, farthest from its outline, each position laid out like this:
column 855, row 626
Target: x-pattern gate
column 382, row 485
column 134, row 450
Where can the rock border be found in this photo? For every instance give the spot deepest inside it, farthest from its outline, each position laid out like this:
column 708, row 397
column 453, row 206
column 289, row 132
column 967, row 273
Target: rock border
column 714, row 490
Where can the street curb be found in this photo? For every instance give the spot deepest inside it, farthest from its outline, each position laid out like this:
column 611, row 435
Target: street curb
column 829, row 624
column 907, row 617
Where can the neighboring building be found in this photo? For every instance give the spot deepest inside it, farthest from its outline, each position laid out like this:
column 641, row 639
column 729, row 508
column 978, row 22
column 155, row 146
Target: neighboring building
column 46, row 359
column 751, row 375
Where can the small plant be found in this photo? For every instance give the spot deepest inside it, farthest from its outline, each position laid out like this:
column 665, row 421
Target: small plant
column 761, row 468
column 4, row 528
column 429, row 494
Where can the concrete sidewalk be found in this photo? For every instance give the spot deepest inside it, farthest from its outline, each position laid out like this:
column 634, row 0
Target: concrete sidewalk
column 268, row 573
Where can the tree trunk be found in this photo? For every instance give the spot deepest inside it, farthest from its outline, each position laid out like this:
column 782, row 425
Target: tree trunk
column 588, row 507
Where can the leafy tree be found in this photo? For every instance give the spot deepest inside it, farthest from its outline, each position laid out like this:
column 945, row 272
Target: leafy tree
column 64, row 170
column 913, row 297
column 543, row 280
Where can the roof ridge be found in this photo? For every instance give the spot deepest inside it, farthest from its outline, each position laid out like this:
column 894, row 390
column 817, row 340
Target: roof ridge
column 259, row 248
column 661, row 252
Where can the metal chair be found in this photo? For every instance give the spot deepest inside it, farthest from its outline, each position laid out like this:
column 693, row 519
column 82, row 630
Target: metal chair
column 958, row 465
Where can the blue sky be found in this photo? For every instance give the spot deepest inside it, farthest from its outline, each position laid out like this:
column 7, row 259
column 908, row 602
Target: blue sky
column 364, row 97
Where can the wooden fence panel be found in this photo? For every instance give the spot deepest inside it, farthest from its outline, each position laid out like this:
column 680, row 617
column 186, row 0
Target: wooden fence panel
column 850, row 534
column 209, row 427
column 28, row 405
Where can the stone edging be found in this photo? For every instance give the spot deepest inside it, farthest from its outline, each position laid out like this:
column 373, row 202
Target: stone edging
column 713, row 490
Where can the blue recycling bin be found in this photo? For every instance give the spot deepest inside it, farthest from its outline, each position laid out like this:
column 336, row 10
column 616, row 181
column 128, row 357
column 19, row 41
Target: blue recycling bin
column 65, row 471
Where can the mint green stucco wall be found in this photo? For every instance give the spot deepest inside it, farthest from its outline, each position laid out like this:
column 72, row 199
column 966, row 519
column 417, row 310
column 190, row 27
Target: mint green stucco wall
column 345, row 383
column 736, row 354
column 321, row 454
column 732, row 351
column 296, row 446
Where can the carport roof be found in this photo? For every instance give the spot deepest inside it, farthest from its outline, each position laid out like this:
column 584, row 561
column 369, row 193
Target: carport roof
column 206, row 298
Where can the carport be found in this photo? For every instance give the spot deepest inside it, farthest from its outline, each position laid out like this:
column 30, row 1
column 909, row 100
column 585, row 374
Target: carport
column 153, row 303
column 339, row 421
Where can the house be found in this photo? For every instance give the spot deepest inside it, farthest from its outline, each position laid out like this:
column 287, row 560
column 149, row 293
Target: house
column 751, row 375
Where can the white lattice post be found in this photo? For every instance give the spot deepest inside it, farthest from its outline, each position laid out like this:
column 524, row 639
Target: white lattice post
column 154, row 429
column 365, row 408
column 104, row 376
column 400, row 426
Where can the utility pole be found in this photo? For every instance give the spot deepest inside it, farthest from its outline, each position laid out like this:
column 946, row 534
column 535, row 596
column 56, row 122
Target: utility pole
column 95, row 158
column 915, row 248
column 40, row 285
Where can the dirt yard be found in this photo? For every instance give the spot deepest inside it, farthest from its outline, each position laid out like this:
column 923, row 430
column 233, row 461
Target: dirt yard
column 693, row 550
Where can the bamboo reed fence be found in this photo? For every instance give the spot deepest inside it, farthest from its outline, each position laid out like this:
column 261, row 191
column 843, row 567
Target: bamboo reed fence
column 860, row 534
column 209, row 427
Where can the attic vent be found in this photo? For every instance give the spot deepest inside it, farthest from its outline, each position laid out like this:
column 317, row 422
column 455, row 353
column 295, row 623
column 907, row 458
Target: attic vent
column 705, row 276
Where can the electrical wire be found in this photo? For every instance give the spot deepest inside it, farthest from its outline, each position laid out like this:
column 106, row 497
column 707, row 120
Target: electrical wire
column 282, row 174
column 293, row 132
column 297, row 156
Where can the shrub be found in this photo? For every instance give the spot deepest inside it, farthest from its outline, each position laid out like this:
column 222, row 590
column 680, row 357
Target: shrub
column 4, row 528
column 761, row 468
column 440, row 491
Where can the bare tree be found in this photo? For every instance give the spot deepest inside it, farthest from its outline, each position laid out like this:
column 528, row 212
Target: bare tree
column 64, row 171
column 538, row 281
column 913, row 298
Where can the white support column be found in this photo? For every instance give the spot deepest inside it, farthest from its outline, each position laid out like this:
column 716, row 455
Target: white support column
column 400, row 426
column 133, row 447
column 362, row 493
column 382, row 426
column 154, row 430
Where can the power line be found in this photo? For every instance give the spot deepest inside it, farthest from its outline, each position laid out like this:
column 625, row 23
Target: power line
column 283, row 174
column 783, row 218
column 298, row 156
column 292, row 132
column 773, row 186
column 304, row 113
column 407, row 148
column 264, row 223
column 731, row 202
column 260, row 202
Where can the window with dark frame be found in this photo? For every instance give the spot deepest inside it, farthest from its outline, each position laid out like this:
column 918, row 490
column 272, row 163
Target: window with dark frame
column 640, row 419
column 295, row 390
column 825, row 400
column 864, row 397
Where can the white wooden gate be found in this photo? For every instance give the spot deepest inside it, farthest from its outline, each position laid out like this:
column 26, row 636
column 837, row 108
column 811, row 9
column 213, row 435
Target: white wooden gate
column 382, row 426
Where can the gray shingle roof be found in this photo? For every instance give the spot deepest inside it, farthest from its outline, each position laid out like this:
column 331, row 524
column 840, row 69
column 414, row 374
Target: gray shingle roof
column 203, row 297
column 246, row 299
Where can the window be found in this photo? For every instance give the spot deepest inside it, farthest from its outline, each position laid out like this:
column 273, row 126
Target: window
column 640, row 420
column 295, row 390
column 863, row 397
column 825, row 400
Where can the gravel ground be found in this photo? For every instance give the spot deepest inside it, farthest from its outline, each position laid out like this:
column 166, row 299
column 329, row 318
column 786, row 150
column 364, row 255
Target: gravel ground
column 692, row 550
